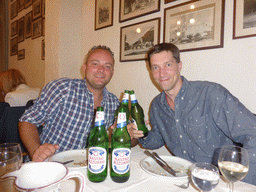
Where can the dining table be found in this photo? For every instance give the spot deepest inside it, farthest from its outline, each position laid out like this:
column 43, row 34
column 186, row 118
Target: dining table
column 141, row 180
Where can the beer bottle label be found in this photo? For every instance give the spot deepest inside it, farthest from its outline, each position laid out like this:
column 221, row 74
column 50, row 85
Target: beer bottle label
column 99, row 120
column 121, row 160
column 121, row 121
column 125, row 98
column 133, row 99
column 97, row 159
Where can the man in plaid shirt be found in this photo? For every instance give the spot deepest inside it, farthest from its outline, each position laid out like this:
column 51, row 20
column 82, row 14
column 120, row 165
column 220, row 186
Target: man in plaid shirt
column 66, row 108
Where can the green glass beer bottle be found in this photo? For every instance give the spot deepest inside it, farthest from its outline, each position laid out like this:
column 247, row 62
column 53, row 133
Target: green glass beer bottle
column 121, row 150
column 125, row 103
column 98, row 149
column 137, row 114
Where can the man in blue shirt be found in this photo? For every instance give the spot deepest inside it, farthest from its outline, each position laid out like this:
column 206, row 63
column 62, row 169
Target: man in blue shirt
column 194, row 119
column 66, row 108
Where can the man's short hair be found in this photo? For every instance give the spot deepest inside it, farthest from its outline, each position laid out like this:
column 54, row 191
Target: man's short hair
column 103, row 47
column 164, row 47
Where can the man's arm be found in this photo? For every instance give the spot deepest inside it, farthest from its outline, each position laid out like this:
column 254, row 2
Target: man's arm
column 30, row 138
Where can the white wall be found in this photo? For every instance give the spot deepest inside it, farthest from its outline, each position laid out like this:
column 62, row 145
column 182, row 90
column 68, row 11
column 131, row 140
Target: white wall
column 32, row 67
column 232, row 66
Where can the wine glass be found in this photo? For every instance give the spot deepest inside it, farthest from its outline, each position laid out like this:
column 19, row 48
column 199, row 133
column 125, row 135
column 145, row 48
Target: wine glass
column 233, row 163
column 205, row 176
column 12, row 147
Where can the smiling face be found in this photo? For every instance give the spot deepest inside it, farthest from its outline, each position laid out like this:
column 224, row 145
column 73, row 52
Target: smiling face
column 166, row 72
column 99, row 69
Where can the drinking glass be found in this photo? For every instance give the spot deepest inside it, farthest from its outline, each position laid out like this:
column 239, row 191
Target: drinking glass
column 205, row 176
column 9, row 161
column 12, row 147
column 233, row 163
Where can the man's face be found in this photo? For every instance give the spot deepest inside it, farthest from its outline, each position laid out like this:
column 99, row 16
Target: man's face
column 99, row 69
column 166, row 71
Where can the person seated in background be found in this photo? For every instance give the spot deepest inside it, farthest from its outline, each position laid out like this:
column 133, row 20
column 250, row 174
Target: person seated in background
column 14, row 89
column 194, row 119
column 66, row 108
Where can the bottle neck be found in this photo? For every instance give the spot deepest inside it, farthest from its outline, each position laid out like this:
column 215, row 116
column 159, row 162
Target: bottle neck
column 99, row 119
column 121, row 121
column 125, row 99
column 133, row 99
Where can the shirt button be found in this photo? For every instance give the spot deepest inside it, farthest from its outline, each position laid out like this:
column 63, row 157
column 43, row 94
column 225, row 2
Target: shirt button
column 180, row 136
column 177, row 120
column 184, row 152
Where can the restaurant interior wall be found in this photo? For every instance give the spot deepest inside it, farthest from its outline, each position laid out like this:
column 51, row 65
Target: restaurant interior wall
column 233, row 66
column 70, row 33
column 33, row 67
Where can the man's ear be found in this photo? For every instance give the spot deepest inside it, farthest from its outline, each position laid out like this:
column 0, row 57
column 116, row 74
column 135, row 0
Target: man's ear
column 180, row 66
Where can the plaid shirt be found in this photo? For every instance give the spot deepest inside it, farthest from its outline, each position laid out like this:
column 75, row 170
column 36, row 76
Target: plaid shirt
column 66, row 108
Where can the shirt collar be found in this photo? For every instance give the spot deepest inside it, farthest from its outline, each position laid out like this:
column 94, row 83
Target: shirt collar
column 105, row 92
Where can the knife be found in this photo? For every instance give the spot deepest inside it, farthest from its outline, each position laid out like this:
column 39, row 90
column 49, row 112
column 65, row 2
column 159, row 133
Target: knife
column 161, row 162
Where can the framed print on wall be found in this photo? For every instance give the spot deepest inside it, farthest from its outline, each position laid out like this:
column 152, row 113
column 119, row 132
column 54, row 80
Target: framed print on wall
column 168, row 1
column 138, row 38
column 103, row 13
column 37, row 28
column 21, row 29
column 21, row 54
column 244, row 23
column 36, row 9
column 43, row 50
column 20, row 5
column 14, row 46
column 14, row 12
column 27, row 3
column 14, row 28
column 28, row 25
column 195, row 25
column 130, row 9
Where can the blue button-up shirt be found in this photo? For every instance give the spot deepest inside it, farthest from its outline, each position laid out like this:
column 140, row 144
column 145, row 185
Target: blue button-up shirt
column 66, row 108
column 206, row 117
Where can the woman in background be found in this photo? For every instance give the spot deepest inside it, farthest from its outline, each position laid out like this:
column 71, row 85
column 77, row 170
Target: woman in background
column 14, row 89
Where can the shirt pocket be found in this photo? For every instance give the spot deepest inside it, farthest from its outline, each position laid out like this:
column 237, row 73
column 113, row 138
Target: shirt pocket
column 197, row 129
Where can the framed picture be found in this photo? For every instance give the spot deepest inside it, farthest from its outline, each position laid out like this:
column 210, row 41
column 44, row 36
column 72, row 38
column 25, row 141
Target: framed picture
column 36, row 9
column 168, row 1
column 43, row 8
column 43, row 49
column 244, row 24
column 14, row 28
column 27, row 3
column 21, row 54
column 138, row 38
column 21, row 29
column 14, row 12
column 37, row 28
column 43, row 27
column 130, row 9
column 20, row 5
column 103, row 13
column 14, row 46
column 195, row 25
column 28, row 25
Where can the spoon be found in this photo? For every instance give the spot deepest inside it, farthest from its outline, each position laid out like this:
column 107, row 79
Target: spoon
column 65, row 162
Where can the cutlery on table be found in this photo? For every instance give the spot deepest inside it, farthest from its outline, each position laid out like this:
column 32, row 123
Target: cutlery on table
column 161, row 162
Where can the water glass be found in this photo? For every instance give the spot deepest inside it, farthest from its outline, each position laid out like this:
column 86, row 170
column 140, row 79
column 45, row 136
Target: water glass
column 205, row 176
column 12, row 147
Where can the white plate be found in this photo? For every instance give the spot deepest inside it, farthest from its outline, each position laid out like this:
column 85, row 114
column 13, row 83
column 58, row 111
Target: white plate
column 79, row 156
column 178, row 164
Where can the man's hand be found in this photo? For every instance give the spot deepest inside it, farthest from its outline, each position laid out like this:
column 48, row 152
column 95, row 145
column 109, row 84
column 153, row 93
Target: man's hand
column 134, row 132
column 44, row 151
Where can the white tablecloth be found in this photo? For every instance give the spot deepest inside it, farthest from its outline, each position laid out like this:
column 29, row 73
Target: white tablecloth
column 142, row 181
column 139, row 181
